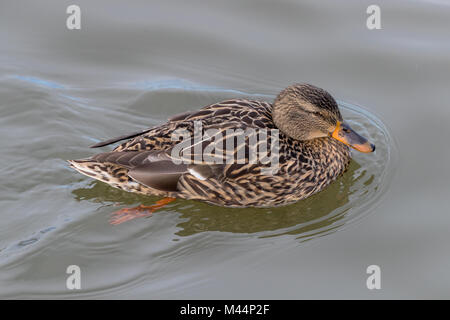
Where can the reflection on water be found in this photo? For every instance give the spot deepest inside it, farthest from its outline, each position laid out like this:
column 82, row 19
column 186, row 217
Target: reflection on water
column 200, row 217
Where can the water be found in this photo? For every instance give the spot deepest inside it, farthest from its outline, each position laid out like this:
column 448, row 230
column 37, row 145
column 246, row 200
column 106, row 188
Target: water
column 131, row 67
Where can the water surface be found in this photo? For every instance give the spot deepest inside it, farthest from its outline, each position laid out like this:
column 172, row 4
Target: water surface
column 133, row 66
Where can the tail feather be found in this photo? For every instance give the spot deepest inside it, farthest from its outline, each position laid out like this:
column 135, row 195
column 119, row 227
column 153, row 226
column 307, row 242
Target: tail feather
column 113, row 174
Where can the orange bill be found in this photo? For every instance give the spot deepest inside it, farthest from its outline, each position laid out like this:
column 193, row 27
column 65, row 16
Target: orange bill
column 346, row 135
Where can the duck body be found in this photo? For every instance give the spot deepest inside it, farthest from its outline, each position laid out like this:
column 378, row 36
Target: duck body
column 145, row 163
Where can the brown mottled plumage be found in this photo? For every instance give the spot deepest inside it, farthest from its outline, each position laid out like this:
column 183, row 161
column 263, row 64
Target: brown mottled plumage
column 310, row 156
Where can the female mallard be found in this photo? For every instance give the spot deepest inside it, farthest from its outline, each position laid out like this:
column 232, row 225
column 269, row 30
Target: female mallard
column 312, row 152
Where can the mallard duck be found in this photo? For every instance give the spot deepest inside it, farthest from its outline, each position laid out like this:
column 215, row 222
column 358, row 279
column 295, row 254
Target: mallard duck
column 313, row 150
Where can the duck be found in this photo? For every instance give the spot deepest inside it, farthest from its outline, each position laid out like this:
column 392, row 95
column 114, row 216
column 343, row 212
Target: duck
column 234, row 153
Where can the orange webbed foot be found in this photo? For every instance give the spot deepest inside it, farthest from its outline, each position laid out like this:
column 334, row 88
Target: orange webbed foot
column 140, row 211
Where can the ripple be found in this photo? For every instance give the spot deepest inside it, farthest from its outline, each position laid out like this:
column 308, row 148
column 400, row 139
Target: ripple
column 70, row 212
column 41, row 82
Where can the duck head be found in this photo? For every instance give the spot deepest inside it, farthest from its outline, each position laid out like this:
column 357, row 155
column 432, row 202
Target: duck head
column 305, row 112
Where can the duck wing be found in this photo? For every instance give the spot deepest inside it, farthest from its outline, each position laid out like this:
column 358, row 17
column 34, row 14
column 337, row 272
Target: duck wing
column 248, row 112
column 176, row 117
column 149, row 158
column 120, row 138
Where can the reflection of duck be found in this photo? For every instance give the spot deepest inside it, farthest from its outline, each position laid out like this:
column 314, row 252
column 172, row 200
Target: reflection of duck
column 313, row 215
column 313, row 152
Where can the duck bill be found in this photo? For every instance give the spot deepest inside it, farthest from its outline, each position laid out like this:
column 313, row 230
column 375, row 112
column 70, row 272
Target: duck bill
column 346, row 135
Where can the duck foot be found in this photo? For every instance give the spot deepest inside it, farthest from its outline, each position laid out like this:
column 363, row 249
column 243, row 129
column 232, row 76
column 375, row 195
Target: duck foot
column 140, row 211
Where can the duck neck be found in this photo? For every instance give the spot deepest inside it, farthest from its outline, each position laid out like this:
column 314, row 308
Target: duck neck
column 286, row 119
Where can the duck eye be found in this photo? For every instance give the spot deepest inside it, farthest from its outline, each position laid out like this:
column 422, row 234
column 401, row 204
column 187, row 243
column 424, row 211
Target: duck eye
column 317, row 113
